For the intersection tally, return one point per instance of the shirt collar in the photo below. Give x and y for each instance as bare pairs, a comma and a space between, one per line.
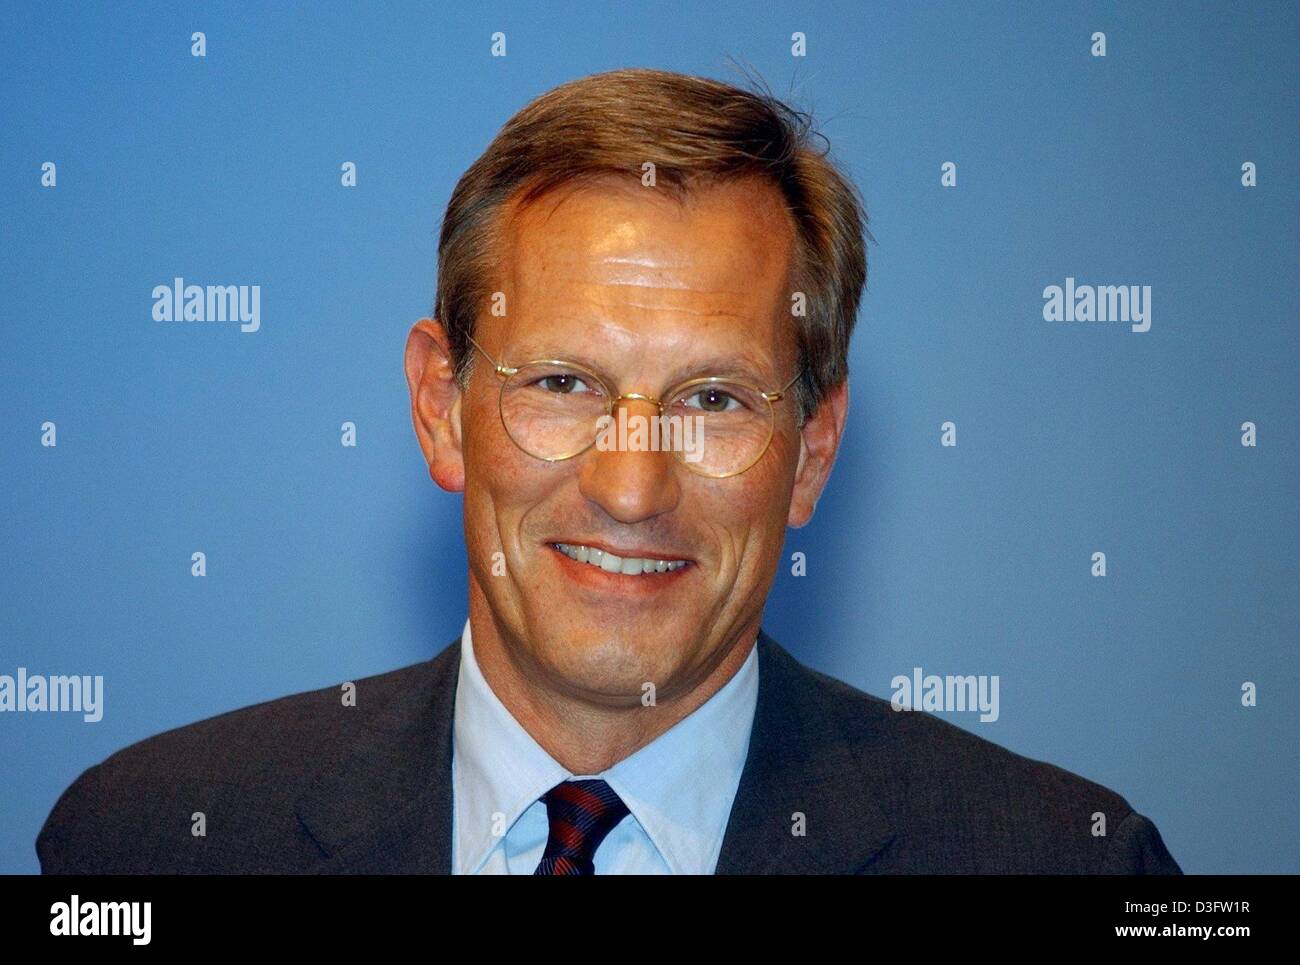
679, 787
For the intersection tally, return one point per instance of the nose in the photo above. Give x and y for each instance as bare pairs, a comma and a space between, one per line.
631, 485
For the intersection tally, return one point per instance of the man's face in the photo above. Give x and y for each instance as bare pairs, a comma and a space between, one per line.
647, 293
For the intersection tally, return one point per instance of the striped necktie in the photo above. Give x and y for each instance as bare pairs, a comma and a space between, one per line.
581, 813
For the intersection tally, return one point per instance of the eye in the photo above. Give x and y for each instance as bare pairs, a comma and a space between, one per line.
713, 399
561, 383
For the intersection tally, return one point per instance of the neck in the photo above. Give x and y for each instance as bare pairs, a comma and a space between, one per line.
586, 736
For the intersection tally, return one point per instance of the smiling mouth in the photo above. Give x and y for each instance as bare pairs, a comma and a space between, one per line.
625, 565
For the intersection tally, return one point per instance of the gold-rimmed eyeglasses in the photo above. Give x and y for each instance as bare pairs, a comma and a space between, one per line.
554, 409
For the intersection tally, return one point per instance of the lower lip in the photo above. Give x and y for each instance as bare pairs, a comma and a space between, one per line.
595, 578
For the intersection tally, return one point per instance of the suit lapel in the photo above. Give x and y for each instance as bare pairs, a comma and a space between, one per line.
800, 763
386, 807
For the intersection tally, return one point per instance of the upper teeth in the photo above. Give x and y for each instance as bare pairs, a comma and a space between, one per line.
630, 565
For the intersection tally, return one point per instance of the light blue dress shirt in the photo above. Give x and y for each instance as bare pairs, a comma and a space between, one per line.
678, 788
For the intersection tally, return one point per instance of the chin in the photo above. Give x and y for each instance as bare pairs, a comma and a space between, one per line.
615, 665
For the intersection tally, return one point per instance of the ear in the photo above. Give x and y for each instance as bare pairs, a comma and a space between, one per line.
435, 403
819, 443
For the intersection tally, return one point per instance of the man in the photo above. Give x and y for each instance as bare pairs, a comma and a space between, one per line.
633, 245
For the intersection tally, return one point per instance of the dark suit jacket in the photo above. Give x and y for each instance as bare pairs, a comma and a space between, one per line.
305, 784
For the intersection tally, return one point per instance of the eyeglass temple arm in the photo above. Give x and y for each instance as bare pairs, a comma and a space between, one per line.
501, 369
780, 393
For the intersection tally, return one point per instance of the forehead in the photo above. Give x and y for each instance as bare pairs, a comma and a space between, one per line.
618, 261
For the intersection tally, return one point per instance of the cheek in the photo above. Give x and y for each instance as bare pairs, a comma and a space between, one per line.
494, 464
748, 514
493, 474
503, 487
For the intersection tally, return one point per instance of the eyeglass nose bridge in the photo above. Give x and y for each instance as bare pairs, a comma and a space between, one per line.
638, 396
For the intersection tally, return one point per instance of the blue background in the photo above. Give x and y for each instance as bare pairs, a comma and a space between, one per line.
327, 563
